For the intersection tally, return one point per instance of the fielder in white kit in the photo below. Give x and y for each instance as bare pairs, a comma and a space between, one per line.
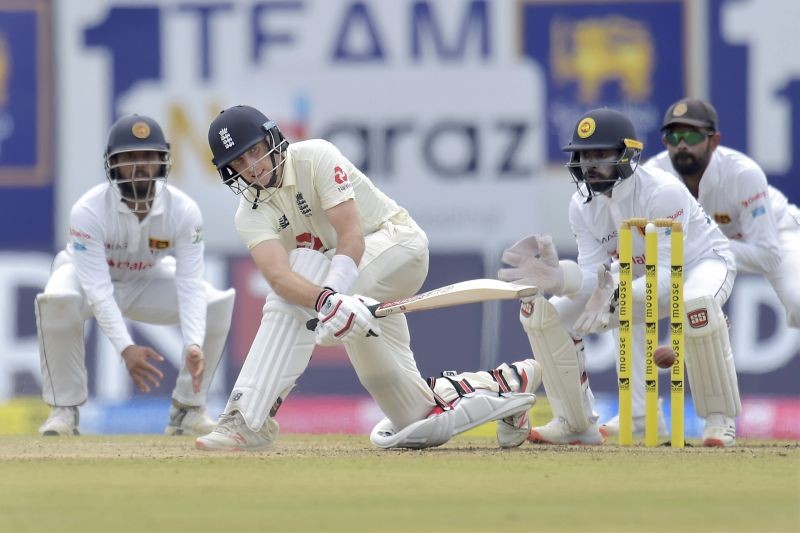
763, 227
612, 188
320, 231
135, 251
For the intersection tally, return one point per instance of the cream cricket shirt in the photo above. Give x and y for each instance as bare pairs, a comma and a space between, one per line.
110, 247
648, 193
316, 177
734, 191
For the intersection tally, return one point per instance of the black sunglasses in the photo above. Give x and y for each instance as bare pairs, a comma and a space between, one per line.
691, 137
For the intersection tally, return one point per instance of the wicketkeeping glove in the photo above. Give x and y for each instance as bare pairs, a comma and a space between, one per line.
535, 262
343, 318
599, 313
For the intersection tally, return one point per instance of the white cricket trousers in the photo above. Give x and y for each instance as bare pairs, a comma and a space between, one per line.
152, 299
394, 266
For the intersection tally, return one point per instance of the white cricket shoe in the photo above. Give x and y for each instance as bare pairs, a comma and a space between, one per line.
62, 421
513, 430
557, 431
611, 428
720, 431
189, 421
233, 435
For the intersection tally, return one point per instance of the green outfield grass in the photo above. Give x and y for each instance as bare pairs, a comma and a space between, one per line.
341, 483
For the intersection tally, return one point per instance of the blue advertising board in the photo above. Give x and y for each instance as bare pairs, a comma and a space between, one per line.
26, 124
626, 55
754, 82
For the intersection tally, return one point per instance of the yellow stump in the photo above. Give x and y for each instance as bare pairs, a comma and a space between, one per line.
676, 333
651, 335
625, 303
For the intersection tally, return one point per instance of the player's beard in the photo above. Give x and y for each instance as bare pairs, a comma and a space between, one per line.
687, 164
599, 182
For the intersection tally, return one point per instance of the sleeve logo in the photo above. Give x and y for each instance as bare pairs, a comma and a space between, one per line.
339, 175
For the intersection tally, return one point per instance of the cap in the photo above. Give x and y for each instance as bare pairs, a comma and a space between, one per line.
698, 113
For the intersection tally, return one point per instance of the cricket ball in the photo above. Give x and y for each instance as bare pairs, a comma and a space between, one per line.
664, 356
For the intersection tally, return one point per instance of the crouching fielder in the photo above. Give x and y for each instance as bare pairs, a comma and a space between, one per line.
135, 251
319, 231
611, 188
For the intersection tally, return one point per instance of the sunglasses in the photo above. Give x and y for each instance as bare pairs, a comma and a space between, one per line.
689, 137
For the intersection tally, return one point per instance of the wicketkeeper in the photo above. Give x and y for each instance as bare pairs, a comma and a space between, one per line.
612, 188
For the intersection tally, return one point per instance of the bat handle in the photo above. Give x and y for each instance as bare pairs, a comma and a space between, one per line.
311, 325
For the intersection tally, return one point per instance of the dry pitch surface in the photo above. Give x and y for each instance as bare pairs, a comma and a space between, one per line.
341, 483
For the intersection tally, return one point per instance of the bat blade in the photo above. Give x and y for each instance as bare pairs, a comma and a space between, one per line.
463, 292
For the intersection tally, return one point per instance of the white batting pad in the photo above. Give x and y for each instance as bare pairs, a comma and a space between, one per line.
468, 412
281, 349
61, 349
426, 433
555, 350
709, 359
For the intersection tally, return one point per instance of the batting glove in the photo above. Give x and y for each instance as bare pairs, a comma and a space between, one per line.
343, 318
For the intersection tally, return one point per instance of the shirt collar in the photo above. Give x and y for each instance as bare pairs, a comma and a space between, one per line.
289, 177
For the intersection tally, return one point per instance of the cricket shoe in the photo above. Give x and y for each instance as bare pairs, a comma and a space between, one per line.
513, 430
611, 428
720, 431
188, 420
233, 435
557, 431
62, 421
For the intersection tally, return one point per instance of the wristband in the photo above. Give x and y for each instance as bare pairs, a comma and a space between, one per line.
342, 274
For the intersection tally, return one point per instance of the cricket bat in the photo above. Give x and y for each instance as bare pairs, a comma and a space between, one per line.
463, 292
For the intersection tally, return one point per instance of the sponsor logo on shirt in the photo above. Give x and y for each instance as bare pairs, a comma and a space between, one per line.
760, 210
134, 266
340, 177
306, 240
722, 218
158, 244
302, 205
756, 197
197, 235
78, 247
608, 237
283, 222
80, 234
114, 246
676, 214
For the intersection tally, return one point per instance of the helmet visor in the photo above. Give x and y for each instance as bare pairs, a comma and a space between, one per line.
256, 174
138, 176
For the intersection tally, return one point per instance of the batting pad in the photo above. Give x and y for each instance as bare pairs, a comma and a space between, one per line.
61, 348
555, 350
709, 359
281, 349
468, 412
